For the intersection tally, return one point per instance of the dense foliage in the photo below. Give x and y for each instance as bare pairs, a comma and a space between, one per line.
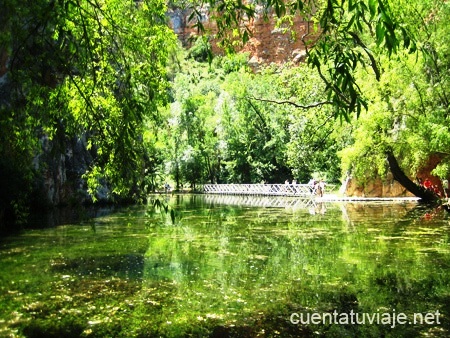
336, 48
408, 111
101, 72
91, 70
280, 122
230, 125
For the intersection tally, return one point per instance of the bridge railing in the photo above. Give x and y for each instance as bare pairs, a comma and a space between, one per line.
304, 190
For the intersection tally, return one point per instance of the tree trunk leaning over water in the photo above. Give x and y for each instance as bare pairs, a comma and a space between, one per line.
424, 194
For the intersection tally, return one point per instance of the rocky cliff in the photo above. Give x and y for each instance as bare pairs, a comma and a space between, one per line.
268, 43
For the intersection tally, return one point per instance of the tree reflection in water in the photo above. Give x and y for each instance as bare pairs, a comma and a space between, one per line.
220, 267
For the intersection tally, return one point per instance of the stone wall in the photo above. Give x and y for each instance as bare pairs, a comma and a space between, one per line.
4, 87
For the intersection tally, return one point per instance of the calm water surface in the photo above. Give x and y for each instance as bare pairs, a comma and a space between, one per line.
224, 266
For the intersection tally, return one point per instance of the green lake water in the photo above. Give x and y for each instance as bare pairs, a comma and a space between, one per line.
224, 266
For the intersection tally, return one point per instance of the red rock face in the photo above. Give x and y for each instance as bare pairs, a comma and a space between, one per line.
390, 188
427, 168
270, 44
376, 188
267, 44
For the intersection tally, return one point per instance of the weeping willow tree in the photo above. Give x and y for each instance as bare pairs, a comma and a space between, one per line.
352, 45
408, 112
342, 39
71, 68
97, 68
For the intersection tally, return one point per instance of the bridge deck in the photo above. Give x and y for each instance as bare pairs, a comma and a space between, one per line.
303, 190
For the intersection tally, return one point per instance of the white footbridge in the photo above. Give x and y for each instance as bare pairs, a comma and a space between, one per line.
300, 190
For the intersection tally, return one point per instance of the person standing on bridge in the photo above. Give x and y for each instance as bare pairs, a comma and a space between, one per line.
312, 185
321, 187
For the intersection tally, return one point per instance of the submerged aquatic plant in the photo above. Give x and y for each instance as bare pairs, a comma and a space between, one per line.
225, 270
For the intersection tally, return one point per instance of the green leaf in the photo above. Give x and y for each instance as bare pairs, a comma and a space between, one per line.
380, 32
350, 23
373, 8
245, 37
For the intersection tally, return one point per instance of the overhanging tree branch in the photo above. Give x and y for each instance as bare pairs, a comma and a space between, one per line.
297, 105
373, 62
424, 194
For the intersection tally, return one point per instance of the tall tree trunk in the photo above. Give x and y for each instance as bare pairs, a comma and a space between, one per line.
424, 194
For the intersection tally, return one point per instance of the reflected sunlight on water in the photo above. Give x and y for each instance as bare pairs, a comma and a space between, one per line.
232, 266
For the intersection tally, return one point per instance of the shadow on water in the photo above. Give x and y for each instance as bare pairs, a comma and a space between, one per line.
230, 267
66, 215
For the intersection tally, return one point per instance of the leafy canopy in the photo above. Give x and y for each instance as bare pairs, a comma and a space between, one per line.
93, 68
345, 33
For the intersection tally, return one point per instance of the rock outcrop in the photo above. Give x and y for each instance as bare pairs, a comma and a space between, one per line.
268, 43
62, 165
376, 188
